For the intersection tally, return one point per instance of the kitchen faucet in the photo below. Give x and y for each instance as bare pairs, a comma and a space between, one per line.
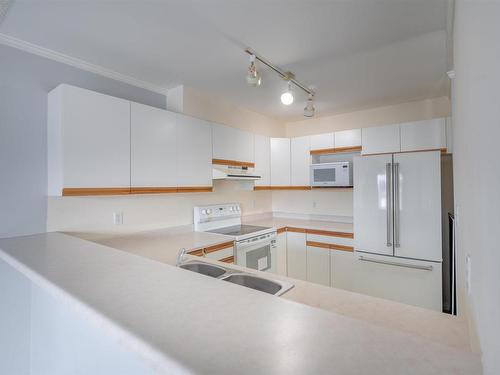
180, 256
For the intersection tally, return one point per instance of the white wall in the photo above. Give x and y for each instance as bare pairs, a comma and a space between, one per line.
476, 123
392, 114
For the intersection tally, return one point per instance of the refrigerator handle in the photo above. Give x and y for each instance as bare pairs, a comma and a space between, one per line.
396, 205
388, 199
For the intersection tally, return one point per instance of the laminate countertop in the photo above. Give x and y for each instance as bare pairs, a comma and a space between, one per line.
185, 323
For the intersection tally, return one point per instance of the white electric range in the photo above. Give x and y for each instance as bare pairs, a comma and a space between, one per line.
255, 246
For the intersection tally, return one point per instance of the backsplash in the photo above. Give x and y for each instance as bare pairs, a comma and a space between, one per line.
144, 212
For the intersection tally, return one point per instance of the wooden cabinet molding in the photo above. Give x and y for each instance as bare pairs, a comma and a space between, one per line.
282, 188
330, 246
336, 150
233, 163
80, 192
228, 260
224, 245
198, 252
330, 233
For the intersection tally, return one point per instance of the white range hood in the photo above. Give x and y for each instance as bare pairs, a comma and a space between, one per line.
228, 172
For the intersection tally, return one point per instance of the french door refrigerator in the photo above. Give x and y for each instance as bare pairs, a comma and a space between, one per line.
397, 226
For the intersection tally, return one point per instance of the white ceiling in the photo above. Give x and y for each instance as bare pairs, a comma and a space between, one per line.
355, 53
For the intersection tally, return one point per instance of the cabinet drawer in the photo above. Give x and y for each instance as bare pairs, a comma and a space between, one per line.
330, 239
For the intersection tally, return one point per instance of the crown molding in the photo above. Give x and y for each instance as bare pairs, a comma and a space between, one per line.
78, 63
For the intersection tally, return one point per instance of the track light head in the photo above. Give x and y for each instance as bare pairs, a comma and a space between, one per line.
309, 108
287, 96
253, 76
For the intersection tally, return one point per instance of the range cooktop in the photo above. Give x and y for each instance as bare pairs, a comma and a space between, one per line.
238, 230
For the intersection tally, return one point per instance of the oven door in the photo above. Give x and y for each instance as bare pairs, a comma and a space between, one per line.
257, 252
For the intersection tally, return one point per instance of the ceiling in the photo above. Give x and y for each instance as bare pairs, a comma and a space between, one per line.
356, 54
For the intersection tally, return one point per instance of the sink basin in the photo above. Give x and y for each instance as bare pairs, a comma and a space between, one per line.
204, 268
258, 283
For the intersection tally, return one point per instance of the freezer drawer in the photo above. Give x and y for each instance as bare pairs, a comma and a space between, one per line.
408, 281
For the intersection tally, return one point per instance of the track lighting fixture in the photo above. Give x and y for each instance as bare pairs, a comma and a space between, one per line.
253, 76
287, 98
309, 108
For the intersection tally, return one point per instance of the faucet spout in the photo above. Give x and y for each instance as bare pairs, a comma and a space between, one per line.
180, 256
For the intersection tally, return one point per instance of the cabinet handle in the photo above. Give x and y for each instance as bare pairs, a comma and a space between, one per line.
396, 205
388, 200
389, 263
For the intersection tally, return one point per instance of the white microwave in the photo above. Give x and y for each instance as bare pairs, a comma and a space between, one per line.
331, 174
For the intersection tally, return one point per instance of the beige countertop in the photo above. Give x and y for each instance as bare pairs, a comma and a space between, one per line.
163, 246
186, 323
281, 222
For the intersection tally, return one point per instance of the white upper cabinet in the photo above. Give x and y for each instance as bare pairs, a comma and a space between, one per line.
381, 139
88, 140
423, 135
263, 160
322, 141
232, 144
300, 160
348, 138
194, 152
280, 161
153, 147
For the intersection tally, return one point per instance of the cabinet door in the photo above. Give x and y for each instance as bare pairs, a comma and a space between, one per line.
300, 161
232, 144
281, 259
280, 162
417, 217
263, 160
342, 264
423, 135
372, 216
318, 265
194, 152
322, 141
348, 138
381, 139
296, 255
395, 280
153, 147
95, 139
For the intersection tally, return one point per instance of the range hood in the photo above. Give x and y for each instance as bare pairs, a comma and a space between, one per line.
229, 172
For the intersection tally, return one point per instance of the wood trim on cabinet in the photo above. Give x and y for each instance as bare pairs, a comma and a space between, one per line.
263, 188
318, 244
341, 247
220, 246
228, 259
195, 189
281, 230
336, 150
330, 233
233, 163
332, 187
198, 252
152, 190
296, 230
73, 192
442, 150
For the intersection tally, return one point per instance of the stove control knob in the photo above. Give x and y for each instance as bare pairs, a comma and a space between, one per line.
231, 208
203, 212
237, 208
209, 211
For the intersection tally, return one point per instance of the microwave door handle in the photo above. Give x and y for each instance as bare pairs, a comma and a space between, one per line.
388, 200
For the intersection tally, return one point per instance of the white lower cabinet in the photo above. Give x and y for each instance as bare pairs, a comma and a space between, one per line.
412, 282
280, 254
318, 265
296, 255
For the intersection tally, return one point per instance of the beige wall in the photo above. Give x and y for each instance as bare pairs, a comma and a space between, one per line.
403, 112
201, 105
476, 134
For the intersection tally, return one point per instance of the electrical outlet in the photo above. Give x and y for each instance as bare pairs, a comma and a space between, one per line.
468, 271
314, 204
117, 218
254, 203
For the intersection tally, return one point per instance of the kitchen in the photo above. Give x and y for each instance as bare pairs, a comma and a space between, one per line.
156, 202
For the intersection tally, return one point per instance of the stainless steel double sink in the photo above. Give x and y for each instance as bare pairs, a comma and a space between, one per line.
275, 287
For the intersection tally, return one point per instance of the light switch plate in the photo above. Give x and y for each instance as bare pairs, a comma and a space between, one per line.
117, 218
